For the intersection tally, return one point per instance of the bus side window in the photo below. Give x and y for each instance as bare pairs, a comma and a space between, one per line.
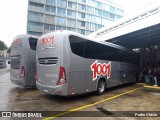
89, 50
77, 45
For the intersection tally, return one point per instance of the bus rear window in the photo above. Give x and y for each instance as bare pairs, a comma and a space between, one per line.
15, 62
33, 43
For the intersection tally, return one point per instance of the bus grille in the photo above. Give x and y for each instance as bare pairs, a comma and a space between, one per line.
48, 61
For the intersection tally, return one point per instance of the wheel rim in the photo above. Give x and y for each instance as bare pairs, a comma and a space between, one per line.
101, 87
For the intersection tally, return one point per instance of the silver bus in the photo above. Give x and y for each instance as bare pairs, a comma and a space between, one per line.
69, 64
23, 60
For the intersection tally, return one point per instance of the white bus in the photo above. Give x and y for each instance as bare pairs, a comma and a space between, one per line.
23, 60
69, 64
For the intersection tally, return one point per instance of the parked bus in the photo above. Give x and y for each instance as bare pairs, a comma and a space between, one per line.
69, 63
23, 60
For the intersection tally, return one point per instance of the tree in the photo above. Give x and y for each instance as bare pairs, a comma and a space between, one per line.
3, 46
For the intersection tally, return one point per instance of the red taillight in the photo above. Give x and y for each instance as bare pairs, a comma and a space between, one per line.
62, 76
22, 73
36, 75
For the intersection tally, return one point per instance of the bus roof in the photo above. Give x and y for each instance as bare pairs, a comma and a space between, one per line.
85, 37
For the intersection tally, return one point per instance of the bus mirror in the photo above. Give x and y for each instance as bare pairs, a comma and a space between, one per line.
9, 62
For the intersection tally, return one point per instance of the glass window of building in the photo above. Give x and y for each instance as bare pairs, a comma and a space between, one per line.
92, 27
87, 32
61, 21
34, 16
35, 33
50, 8
62, 3
112, 9
112, 16
92, 3
117, 17
82, 1
72, 5
35, 26
58, 27
105, 14
51, 2
49, 27
47, 8
100, 26
91, 10
71, 13
81, 7
96, 26
49, 19
83, 23
61, 11
91, 18
81, 15
99, 12
98, 20
106, 7
120, 12
82, 31
71, 22
46, 27
36, 4
104, 21
71, 29
87, 25
99, 5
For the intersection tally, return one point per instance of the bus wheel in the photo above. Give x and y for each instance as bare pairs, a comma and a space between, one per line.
101, 87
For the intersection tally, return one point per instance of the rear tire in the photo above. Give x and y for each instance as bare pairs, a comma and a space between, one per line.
101, 87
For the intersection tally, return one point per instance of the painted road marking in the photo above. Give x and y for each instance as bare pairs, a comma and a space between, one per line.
28, 93
141, 83
89, 105
155, 87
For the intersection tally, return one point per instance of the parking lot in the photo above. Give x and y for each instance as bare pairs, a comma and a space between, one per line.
116, 103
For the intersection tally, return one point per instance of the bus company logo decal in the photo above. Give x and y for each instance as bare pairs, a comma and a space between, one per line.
16, 42
47, 40
101, 69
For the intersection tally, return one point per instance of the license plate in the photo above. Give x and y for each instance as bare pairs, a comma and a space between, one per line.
45, 90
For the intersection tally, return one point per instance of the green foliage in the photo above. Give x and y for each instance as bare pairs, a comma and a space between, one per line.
3, 46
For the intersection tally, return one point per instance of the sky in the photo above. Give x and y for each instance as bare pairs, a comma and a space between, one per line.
13, 16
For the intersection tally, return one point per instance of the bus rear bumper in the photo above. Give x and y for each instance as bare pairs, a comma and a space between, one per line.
56, 90
16, 81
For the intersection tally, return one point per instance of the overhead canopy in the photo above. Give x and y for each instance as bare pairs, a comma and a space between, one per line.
149, 36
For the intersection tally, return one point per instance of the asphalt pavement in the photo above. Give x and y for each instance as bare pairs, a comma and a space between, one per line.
3, 71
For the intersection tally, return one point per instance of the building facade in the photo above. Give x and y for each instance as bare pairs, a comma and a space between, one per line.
82, 16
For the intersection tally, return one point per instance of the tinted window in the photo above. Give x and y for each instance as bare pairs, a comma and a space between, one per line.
93, 50
77, 45
15, 62
33, 43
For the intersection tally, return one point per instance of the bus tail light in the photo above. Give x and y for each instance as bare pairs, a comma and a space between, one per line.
36, 75
62, 76
22, 73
